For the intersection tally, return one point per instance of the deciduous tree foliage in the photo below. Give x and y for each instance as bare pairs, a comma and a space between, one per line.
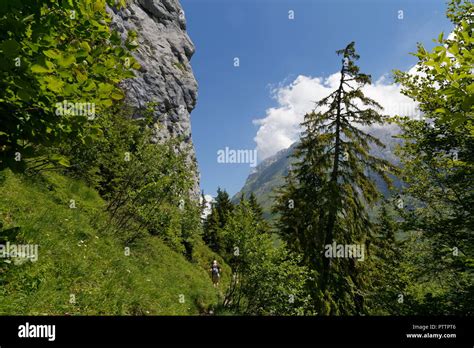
53, 52
146, 185
437, 158
265, 280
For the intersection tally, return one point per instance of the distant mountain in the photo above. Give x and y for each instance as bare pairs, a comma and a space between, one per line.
267, 176
270, 173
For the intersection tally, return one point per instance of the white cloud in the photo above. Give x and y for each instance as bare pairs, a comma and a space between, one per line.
281, 125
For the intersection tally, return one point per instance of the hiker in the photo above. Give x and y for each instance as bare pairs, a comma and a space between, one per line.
216, 273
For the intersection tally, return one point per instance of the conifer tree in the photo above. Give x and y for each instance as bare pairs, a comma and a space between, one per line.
221, 209
255, 206
257, 211
211, 229
330, 188
386, 272
224, 206
203, 205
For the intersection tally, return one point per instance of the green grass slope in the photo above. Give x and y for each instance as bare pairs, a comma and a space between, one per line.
80, 255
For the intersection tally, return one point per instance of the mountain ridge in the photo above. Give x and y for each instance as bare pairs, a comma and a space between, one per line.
269, 174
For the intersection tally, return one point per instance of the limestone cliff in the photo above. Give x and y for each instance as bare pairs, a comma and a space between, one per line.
165, 76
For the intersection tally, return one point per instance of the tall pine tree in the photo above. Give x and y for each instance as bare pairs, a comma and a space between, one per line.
328, 193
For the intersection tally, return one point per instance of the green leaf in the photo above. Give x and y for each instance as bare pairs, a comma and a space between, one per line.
54, 84
90, 86
470, 88
454, 49
80, 76
39, 69
81, 54
117, 94
54, 54
65, 62
105, 88
28, 18
62, 160
49, 65
84, 45
107, 103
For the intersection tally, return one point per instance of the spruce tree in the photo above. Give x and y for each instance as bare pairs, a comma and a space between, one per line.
330, 187
203, 202
255, 206
387, 273
212, 230
224, 206
221, 209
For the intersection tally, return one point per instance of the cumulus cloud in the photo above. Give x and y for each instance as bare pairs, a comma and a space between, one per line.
280, 127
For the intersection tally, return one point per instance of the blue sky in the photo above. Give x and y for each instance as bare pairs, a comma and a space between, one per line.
274, 50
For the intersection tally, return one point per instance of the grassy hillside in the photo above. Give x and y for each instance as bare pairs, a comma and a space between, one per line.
80, 255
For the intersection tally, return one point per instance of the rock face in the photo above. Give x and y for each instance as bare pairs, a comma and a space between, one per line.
164, 50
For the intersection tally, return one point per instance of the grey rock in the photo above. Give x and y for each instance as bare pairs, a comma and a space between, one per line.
166, 76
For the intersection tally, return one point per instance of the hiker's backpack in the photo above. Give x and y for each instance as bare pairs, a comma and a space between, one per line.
215, 270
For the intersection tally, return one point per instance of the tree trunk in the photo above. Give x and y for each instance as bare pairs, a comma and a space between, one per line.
331, 220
